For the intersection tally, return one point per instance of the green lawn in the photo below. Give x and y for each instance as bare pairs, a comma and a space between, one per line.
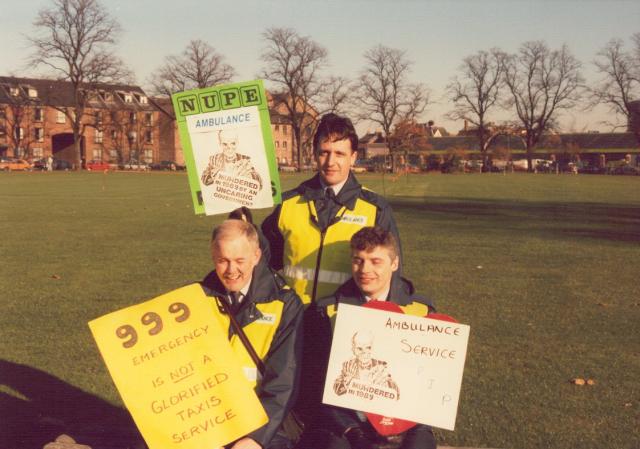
544, 268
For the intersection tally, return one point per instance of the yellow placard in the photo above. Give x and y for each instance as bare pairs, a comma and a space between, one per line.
177, 373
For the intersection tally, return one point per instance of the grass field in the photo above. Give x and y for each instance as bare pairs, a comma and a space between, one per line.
544, 268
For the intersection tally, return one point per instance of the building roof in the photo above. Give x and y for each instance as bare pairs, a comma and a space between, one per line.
371, 138
60, 93
580, 141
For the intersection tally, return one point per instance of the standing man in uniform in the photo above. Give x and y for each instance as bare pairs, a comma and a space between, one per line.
309, 232
269, 313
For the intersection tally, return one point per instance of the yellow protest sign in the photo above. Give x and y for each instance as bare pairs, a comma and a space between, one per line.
177, 373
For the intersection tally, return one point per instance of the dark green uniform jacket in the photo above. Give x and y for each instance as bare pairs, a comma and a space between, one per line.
309, 234
271, 316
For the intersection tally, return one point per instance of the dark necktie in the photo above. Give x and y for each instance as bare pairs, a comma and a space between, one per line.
234, 300
330, 195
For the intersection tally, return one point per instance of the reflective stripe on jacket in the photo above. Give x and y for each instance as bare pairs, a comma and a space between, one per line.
315, 257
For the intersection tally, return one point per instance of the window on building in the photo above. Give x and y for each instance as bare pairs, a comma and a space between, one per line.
106, 96
133, 136
14, 91
33, 93
113, 154
148, 118
99, 136
37, 152
277, 144
148, 156
114, 116
19, 133
277, 127
140, 98
133, 118
97, 154
98, 117
38, 114
60, 117
114, 134
284, 144
38, 134
148, 136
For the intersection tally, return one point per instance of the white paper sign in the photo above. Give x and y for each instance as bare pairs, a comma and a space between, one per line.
230, 159
396, 365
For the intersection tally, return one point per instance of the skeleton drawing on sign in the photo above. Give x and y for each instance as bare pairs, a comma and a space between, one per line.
229, 161
363, 367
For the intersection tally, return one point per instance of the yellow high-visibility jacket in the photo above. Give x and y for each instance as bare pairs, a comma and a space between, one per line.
270, 315
309, 235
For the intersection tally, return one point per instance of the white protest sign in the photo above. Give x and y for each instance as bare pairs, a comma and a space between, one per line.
396, 365
230, 159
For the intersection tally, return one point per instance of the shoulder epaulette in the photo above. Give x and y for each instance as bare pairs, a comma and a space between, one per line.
373, 198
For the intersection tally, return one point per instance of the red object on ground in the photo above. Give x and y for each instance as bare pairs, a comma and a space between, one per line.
385, 425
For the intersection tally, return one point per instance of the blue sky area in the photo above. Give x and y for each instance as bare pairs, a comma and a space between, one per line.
437, 35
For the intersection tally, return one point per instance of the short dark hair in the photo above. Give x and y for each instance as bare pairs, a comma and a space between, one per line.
332, 127
370, 237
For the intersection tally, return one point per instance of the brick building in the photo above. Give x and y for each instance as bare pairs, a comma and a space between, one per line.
120, 124
282, 130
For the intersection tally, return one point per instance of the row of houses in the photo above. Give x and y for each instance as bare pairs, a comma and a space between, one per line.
588, 148
120, 123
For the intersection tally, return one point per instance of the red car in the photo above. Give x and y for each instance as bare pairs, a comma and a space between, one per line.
97, 165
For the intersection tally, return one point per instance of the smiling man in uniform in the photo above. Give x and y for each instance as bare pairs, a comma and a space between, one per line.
269, 313
374, 260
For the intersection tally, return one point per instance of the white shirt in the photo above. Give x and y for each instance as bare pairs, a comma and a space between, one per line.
243, 291
382, 297
336, 188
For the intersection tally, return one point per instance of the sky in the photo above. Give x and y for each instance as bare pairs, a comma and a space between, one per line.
436, 36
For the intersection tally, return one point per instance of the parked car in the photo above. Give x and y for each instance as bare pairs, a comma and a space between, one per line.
135, 165
286, 168
625, 170
357, 168
39, 164
411, 168
61, 164
11, 163
166, 165
95, 165
592, 169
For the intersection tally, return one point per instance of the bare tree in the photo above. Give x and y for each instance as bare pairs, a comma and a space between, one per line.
620, 82
74, 38
476, 92
199, 65
293, 64
386, 96
542, 82
335, 96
